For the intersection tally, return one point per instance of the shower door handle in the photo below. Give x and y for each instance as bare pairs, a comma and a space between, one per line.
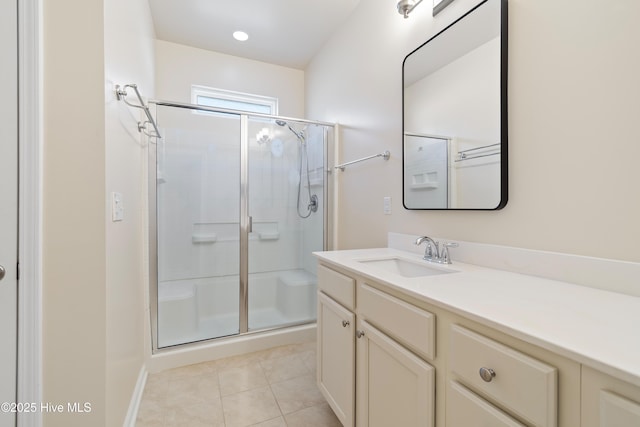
250, 224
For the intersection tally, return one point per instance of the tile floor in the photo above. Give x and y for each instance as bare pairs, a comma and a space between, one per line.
270, 388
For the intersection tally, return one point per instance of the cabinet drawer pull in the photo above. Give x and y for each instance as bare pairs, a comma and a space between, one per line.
359, 334
345, 323
487, 374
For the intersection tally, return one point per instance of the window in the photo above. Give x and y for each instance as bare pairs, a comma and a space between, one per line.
218, 98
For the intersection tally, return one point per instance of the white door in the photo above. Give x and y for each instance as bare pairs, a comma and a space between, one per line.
336, 358
394, 387
8, 207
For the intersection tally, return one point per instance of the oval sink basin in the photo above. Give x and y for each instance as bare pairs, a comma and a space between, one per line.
406, 268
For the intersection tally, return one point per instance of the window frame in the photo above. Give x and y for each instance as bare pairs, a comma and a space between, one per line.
229, 95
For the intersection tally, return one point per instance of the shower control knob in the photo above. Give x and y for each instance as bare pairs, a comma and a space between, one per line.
345, 323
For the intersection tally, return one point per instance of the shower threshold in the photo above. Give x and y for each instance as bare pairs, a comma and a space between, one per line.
221, 326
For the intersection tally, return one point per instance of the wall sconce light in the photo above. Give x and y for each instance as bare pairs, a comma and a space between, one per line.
406, 6
438, 5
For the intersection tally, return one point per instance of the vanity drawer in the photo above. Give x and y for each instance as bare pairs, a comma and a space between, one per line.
522, 385
338, 286
465, 408
404, 322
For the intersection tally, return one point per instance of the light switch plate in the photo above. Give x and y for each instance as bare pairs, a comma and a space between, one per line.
117, 207
387, 205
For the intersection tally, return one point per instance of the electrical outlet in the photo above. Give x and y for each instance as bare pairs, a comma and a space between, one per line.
387, 205
117, 207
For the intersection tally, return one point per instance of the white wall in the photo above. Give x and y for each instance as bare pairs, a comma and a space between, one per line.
179, 67
465, 106
573, 134
93, 284
129, 43
74, 240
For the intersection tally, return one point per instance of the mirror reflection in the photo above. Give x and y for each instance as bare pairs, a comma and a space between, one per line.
454, 115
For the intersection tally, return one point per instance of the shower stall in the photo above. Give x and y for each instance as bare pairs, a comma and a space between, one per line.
238, 203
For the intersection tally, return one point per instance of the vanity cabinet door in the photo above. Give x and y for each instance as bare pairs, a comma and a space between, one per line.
608, 402
394, 386
465, 408
336, 357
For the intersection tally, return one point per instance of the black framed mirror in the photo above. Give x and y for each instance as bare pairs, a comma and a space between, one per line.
455, 115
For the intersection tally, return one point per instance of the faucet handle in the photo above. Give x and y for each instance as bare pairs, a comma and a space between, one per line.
446, 259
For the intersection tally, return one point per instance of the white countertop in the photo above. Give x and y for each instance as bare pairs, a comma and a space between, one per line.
595, 327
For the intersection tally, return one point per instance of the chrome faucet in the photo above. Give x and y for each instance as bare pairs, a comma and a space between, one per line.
433, 252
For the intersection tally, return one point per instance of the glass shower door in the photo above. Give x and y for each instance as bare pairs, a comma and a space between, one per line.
198, 198
286, 207
239, 208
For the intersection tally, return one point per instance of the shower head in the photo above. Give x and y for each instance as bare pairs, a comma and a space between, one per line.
299, 135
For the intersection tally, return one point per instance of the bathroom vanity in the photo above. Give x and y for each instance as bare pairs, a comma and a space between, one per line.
404, 342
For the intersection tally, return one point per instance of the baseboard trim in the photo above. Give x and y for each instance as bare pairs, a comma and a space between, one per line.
136, 398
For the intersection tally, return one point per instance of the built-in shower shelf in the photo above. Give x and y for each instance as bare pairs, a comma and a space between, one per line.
269, 235
424, 181
424, 186
315, 183
204, 238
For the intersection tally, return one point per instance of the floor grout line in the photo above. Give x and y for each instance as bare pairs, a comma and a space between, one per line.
268, 361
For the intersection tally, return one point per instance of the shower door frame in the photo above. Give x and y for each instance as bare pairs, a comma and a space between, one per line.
327, 243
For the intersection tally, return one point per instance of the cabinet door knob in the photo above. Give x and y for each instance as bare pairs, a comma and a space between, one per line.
487, 374
359, 334
345, 323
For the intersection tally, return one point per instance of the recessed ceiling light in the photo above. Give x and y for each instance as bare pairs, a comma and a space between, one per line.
240, 36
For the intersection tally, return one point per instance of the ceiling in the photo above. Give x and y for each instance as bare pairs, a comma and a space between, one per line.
283, 32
